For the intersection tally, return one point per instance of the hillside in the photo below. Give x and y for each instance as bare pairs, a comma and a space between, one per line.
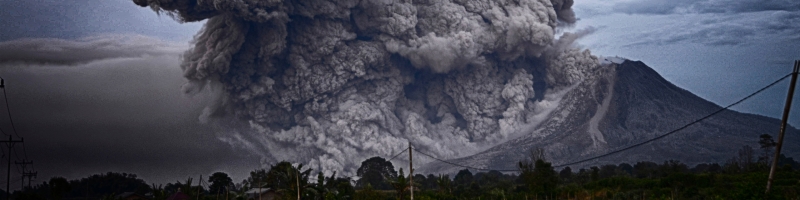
623, 104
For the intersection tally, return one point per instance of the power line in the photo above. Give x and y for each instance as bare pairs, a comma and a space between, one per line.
395, 156
10, 142
464, 166
4, 133
10, 119
8, 110
15, 153
351, 177
678, 129
626, 148
24, 151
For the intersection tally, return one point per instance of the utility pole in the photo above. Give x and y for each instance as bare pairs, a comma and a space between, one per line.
200, 186
411, 169
783, 125
24, 163
10, 144
30, 175
297, 178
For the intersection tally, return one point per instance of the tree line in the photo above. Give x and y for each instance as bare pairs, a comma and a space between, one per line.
743, 176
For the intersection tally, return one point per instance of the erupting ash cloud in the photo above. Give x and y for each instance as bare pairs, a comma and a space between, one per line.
333, 82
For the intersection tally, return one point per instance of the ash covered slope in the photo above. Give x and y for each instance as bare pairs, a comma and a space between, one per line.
623, 104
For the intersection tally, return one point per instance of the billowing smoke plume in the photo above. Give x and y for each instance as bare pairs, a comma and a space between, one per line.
332, 82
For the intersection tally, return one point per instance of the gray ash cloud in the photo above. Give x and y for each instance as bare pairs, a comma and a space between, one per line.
330, 83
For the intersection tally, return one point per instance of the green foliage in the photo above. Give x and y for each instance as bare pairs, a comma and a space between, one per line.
158, 192
368, 193
740, 178
445, 186
220, 183
331, 188
400, 185
376, 171
291, 181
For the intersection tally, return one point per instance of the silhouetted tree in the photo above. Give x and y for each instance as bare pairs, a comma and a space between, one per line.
537, 175
400, 184
464, 184
257, 178
491, 180
98, 185
767, 147
376, 171
743, 161
626, 168
421, 182
673, 167
220, 182
645, 169
566, 174
463, 179
788, 161
288, 179
331, 188
58, 187
444, 184
158, 192
607, 171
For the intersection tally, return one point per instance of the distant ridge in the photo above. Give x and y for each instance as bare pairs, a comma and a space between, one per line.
621, 104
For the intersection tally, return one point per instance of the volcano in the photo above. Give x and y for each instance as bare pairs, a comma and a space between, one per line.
622, 104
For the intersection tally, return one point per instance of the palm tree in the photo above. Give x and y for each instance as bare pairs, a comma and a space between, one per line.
292, 181
400, 184
444, 183
158, 192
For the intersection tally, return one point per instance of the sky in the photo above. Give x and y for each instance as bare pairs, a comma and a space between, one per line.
95, 85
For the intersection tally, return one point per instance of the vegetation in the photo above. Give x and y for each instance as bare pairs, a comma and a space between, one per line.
744, 176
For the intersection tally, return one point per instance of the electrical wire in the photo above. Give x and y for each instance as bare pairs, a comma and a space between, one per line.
626, 148
13, 127
10, 119
678, 129
351, 177
464, 166
395, 156
24, 151
4, 133
8, 110
15, 153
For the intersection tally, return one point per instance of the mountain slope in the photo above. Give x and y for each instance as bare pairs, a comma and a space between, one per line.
624, 104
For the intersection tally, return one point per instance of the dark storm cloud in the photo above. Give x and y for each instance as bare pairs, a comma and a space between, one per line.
116, 106
718, 36
68, 52
723, 29
660, 7
75, 19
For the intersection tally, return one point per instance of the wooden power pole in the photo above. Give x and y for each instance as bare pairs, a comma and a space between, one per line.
30, 175
24, 164
411, 169
783, 124
297, 179
11, 143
